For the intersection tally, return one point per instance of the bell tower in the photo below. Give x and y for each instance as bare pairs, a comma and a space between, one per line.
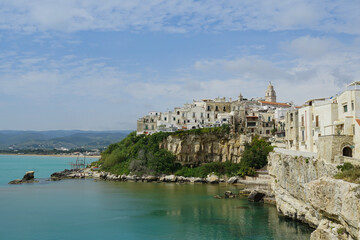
270, 94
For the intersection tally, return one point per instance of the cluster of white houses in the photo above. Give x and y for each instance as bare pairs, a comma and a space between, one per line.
330, 126
263, 117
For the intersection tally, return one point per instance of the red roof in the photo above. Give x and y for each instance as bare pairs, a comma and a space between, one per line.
358, 121
275, 103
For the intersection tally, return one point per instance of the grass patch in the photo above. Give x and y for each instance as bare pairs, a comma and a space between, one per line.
349, 173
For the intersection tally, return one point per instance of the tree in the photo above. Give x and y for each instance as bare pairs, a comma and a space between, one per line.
256, 152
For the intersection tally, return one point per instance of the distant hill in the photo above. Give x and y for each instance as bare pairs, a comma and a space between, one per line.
59, 138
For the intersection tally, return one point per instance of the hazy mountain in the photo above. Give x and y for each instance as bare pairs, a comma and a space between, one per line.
59, 138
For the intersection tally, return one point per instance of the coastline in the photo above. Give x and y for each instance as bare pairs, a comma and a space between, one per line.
49, 155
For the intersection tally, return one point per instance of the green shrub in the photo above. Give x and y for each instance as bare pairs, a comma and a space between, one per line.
139, 154
345, 166
349, 173
256, 153
341, 231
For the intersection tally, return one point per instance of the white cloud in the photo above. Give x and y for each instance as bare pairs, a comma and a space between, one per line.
180, 15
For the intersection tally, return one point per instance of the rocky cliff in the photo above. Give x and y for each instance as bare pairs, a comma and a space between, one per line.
305, 190
195, 149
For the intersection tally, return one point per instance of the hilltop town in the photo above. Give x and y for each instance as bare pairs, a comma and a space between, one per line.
333, 121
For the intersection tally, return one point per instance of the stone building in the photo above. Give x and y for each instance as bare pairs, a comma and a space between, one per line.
254, 116
328, 126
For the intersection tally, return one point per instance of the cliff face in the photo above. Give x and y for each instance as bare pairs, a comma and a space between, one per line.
305, 190
204, 148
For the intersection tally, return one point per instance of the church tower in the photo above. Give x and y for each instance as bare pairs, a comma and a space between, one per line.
270, 94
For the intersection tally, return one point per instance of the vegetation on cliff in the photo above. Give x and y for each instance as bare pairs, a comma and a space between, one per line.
254, 157
349, 173
142, 155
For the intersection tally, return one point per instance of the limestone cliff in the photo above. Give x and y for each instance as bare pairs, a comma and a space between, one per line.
305, 190
195, 149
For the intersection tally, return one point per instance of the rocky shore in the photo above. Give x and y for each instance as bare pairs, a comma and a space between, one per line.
210, 179
257, 189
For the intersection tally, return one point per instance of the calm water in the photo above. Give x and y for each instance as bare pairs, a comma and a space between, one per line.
85, 209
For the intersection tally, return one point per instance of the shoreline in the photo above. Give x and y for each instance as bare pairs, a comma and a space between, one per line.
249, 186
49, 155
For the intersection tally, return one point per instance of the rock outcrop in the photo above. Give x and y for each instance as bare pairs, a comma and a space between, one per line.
204, 148
28, 178
256, 196
305, 190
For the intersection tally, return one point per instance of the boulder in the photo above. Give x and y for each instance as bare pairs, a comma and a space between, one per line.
212, 178
229, 194
28, 176
197, 180
170, 178
151, 178
256, 196
232, 180
16, 181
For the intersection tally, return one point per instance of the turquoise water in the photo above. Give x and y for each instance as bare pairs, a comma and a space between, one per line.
88, 209
15, 166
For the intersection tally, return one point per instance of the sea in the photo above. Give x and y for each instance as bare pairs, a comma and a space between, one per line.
89, 209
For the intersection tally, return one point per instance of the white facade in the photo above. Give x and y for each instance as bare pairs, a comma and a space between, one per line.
338, 116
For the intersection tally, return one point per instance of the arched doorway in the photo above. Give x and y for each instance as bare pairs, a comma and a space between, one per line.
347, 152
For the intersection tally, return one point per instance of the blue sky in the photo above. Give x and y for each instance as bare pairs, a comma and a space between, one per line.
100, 65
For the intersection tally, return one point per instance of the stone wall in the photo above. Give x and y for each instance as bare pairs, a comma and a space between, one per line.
204, 148
305, 190
332, 145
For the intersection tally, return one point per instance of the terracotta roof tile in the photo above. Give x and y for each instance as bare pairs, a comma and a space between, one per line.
358, 121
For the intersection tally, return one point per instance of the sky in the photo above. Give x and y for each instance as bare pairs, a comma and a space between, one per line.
101, 65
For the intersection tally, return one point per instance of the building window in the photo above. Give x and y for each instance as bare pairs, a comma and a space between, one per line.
178, 121
345, 108
208, 116
164, 118
152, 127
352, 106
184, 121
269, 119
189, 121
178, 113
291, 117
317, 121
174, 119
183, 114
216, 108
202, 115
193, 114
216, 116
267, 131
302, 121
224, 109
146, 127
303, 135
208, 108
202, 121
